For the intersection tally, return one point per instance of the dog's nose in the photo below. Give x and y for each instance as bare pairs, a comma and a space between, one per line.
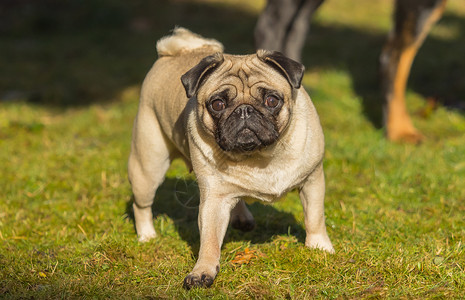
244, 111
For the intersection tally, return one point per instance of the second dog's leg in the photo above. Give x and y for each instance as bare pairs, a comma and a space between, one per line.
413, 21
283, 26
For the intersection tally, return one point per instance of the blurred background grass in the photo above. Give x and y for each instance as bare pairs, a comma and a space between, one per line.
81, 52
70, 73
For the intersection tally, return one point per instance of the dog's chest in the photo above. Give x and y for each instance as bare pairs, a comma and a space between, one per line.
268, 184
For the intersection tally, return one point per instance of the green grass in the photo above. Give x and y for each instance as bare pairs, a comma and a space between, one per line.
395, 213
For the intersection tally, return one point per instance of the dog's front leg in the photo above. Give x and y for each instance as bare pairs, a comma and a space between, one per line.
312, 195
214, 214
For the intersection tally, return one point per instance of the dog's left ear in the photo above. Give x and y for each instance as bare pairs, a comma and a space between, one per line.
292, 70
192, 79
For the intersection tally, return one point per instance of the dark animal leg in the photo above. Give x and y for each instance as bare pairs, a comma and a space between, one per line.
413, 21
283, 26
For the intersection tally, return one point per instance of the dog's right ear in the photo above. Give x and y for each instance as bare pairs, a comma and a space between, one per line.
192, 79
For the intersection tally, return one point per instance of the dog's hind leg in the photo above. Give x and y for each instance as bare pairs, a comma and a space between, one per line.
242, 218
413, 21
148, 162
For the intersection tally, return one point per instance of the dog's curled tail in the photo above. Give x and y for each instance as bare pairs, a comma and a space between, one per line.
183, 40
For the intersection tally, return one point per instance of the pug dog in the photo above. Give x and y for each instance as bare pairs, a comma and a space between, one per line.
243, 124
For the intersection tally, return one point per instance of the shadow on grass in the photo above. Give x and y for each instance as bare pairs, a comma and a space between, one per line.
437, 72
179, 200
80, 52
71, 53
328, 48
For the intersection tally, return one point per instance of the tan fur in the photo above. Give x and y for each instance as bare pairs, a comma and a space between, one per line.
169, 125
183, 40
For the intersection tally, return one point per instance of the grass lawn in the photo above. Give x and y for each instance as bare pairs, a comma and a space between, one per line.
69, 85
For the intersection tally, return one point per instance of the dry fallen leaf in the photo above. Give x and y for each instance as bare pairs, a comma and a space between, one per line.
244, 257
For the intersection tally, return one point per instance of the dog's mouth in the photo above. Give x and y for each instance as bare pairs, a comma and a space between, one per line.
245, 135
244, 140
247, 140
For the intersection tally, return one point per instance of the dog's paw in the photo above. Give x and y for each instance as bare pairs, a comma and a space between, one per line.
319, 241
242, 218
404, 132
194, 280
147, 236
407, 137
243, 225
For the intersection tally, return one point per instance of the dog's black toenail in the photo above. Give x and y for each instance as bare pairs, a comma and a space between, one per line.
191, 281
207, 280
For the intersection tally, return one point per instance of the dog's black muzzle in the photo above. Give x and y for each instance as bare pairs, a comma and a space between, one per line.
246, 130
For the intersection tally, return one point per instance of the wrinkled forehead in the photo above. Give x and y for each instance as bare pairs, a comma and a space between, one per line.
246, 74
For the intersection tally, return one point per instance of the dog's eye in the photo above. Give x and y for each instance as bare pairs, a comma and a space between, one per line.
218, 105
271, 101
